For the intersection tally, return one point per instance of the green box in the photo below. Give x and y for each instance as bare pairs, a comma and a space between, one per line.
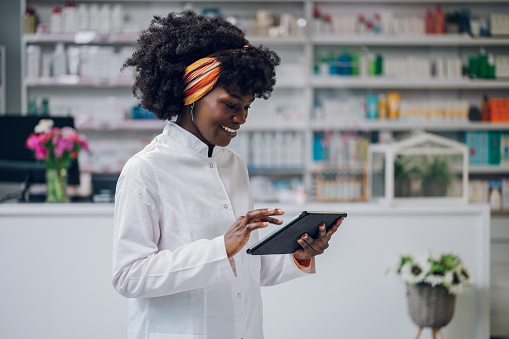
494, 147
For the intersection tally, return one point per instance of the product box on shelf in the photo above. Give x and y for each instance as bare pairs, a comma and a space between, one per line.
340, 160
504, 148
499, 110
505, 194
478, 144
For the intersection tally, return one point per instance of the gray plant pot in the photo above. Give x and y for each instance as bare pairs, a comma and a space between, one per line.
430, 306
431, 188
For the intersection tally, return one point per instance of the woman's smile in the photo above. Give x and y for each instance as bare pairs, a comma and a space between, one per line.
229, 131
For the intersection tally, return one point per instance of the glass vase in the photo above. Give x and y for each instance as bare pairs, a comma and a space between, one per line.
56, 180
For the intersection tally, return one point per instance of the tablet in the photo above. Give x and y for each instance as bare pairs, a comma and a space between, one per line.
284, 239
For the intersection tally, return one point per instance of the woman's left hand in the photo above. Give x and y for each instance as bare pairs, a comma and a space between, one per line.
313, 247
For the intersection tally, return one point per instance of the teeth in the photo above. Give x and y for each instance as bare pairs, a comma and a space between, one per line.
230, 130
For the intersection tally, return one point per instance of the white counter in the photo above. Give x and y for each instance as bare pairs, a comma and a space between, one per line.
56, 269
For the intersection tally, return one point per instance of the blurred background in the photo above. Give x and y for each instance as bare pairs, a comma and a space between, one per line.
376, 103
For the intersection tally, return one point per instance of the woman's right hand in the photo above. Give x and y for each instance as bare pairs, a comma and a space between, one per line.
238, 235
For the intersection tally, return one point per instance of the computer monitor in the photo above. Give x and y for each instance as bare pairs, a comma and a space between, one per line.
17, 163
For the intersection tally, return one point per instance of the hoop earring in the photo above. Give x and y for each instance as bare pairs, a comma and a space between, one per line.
192, 112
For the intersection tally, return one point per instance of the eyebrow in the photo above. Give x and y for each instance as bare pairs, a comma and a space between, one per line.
239, 97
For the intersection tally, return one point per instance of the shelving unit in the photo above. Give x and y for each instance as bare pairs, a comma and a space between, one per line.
394, 83
298, 52
405, 40
2, 79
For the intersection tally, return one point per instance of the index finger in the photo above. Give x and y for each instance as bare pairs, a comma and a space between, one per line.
334, 227
262, 212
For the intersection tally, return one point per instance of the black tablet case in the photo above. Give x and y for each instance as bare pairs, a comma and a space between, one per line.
284, 239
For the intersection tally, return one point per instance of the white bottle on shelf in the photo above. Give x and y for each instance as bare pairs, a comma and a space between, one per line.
296, 150
69, 18
55, 24
105, 19
46, 65
277, 154
33, 61
95, 18
266, 150
73, 54
83, 18
117, 18
495, 199
256, 149
59, 61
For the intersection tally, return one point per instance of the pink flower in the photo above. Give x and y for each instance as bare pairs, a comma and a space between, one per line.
51, 143
55, 132
44, 137
33, 142
83, 142
62, 145
41, 153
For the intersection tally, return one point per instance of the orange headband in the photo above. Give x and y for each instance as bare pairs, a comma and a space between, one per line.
201, 76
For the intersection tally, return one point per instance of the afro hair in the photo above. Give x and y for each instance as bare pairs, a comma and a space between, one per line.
172, 43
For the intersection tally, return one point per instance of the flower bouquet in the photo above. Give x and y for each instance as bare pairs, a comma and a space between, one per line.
57, 147
432, 285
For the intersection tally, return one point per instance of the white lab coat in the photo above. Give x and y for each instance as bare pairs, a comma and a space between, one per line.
173, 206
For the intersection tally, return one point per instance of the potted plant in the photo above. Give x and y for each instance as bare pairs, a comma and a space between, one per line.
435, 176
403, 175
433, 282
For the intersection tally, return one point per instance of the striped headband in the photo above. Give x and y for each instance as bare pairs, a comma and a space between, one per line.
201, 76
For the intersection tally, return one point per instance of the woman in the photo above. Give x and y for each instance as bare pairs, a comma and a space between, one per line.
184, 212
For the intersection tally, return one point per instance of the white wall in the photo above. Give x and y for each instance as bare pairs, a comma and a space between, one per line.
56, 271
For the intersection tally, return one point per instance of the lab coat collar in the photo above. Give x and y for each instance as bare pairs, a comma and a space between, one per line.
188, 140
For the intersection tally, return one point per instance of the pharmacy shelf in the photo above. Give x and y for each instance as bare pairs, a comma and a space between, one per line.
80, 38
488, 169
73, 81
123, 125
275, 170
158, 125
416, 2
399, 126
351, 168
93, 38
394, 83
283, 41
445, 40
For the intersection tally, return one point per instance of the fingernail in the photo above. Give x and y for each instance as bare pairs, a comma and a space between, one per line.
265, 224
305, 237
271, 210
299, 240
323, 227
280, 210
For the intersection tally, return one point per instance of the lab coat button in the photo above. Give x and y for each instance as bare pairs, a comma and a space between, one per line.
225, 206
211, 166
240, 295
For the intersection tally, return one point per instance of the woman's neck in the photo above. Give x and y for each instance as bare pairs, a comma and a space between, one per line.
190, 126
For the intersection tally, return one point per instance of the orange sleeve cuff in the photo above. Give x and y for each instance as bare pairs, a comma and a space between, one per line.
302, 264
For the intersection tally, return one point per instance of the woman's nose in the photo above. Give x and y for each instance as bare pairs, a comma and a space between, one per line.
240, 118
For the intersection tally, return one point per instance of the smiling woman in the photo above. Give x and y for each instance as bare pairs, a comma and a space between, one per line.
183, 206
